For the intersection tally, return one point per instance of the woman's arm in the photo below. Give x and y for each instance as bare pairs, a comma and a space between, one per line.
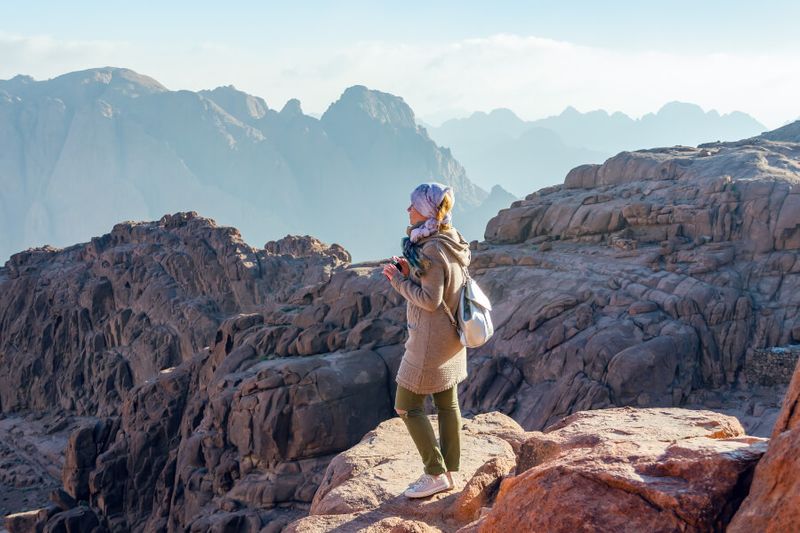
430, 293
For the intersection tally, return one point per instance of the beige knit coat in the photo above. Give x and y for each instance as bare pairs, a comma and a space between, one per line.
434, 358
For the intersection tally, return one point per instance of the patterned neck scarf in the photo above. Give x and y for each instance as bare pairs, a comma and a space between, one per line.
411, 250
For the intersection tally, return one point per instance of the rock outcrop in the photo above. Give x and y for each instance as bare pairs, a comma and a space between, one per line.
31, 458
773, 504
652, 279
82, 325
609, 470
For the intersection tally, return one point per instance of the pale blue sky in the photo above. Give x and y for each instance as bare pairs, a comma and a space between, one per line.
445, 58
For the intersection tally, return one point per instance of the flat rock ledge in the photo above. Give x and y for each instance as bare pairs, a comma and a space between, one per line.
362, 489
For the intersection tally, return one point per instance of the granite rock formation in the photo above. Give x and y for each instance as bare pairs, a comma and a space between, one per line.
32, 458
222, 380
620, 469
82, 325
652, 279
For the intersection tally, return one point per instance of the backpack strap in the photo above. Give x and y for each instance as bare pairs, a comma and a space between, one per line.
447, 282
452, 318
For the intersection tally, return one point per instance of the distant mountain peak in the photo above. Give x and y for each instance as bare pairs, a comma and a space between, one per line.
292, 108
570, 111
22, 78
240, 104
379, 106
680, 107
503, 112
114, 76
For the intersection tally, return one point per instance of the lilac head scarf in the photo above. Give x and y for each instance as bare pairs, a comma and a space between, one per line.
426, 199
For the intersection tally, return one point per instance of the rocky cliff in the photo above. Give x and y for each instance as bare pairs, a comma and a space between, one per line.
656, 280
83, 325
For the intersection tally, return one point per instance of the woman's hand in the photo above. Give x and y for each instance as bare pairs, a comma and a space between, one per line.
404, 267
389, 270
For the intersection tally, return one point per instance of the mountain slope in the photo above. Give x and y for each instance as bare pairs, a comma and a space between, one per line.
87, 149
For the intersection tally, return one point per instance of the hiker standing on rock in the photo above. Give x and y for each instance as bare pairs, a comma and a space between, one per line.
430, 275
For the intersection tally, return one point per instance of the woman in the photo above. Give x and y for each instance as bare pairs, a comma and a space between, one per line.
435, 256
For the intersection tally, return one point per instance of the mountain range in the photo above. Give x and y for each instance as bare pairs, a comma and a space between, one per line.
500, 147
87, 149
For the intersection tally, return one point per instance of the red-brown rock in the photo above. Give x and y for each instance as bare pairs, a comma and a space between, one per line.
773, 504
655, 470
365, 484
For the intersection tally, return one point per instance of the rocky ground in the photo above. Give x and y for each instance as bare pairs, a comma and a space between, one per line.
227, 387
619, 469
31, 458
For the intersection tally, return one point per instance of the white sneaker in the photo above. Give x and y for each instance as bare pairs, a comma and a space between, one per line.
428, 484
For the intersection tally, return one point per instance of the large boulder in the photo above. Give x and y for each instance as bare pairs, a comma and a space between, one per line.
627, 469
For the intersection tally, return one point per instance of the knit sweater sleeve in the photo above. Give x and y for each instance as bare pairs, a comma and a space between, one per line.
430, 293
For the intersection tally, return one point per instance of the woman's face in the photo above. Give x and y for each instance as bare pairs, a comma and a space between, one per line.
414, 216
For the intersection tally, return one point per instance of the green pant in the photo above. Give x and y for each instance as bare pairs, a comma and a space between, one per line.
446, 456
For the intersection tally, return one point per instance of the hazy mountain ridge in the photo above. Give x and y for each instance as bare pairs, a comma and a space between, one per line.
128, 148
500, 147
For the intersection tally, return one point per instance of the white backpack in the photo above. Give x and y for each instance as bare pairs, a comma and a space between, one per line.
474, 323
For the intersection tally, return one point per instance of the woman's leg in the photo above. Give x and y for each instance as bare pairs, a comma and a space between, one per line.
409, 406
449, 426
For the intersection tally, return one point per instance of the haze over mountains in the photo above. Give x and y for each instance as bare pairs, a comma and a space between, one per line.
500, 147
85, 150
